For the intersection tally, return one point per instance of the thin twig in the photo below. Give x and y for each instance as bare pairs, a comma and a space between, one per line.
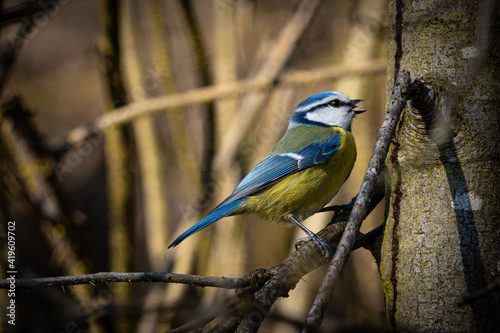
278, 281
150, 105
365, 240
398, 100
109, 277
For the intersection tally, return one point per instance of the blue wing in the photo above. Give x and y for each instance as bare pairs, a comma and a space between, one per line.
266, 173
276, 167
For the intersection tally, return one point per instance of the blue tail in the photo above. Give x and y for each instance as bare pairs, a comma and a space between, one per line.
214, 216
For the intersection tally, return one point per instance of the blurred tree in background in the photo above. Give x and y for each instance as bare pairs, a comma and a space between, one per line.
113, 201
123, 123
183, 98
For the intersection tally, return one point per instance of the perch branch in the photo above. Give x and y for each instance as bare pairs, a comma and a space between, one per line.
109, 277
307, 258
398, 100
277, 281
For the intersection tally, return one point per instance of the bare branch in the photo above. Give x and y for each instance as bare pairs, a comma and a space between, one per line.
150, 105
398, 100
109, 277
306, 259
276, 282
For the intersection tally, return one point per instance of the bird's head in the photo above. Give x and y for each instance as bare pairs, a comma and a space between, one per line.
331, 108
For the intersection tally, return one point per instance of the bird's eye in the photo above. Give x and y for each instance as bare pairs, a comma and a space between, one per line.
335, 103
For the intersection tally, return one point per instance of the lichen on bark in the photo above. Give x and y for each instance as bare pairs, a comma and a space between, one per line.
441, 241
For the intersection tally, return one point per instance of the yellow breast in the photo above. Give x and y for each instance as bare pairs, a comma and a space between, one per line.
304, 193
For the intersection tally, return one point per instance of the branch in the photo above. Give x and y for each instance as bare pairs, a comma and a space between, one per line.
398, 100
276, 282
303, 261
108, 277
148, 106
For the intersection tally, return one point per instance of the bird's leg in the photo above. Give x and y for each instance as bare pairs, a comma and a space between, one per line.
325, 249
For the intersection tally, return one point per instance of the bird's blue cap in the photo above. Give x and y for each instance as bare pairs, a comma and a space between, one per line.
314, 99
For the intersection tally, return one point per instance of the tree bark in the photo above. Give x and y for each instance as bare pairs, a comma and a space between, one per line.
442, 238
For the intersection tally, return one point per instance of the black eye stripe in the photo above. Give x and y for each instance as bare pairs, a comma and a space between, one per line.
336, 103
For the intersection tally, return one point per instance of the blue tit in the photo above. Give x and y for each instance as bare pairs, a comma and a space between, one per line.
304, 170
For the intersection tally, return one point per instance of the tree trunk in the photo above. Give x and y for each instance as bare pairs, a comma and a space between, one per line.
442, 238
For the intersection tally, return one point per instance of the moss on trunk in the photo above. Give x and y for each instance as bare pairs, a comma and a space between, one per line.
442, 238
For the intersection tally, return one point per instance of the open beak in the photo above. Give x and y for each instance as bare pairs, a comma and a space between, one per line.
354, 103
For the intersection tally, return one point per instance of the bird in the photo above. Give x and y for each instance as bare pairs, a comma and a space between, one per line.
302, 173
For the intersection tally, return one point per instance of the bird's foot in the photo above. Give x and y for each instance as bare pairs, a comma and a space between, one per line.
323, 246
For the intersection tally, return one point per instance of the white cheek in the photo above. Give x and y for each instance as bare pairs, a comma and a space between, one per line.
330, 117
324, 116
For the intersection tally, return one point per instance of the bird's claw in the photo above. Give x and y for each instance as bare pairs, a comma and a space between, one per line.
300, 241
323, 246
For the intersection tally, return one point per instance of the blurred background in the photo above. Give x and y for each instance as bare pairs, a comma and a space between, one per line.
114, 200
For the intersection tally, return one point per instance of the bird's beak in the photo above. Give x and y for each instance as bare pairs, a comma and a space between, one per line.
353, 103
